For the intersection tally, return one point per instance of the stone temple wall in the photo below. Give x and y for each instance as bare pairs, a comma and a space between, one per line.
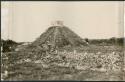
57, 23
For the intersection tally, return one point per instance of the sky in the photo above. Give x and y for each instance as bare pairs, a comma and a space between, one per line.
26, 21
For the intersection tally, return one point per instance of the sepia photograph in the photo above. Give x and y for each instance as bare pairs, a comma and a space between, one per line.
62, 40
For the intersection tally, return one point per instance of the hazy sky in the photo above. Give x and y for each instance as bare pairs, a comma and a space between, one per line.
26, 21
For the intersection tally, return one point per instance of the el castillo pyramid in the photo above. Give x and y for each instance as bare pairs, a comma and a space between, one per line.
58, 36
55, 38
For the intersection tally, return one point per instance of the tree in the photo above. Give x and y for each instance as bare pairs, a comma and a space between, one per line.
8, 45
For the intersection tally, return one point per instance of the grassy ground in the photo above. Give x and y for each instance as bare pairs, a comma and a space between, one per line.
83, 64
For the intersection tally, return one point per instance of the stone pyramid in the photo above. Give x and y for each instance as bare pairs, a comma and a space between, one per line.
59, 35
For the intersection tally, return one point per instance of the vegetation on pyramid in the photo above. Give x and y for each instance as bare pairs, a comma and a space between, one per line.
59, 36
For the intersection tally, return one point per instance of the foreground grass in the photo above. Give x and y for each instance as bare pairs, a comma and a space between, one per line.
37, 72
53, 67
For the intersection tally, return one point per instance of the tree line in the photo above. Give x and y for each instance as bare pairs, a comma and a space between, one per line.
10, 45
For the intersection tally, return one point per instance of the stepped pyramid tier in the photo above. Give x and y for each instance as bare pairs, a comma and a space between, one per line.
59, 35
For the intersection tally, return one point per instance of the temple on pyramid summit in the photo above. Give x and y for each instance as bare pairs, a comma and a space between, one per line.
57, 23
